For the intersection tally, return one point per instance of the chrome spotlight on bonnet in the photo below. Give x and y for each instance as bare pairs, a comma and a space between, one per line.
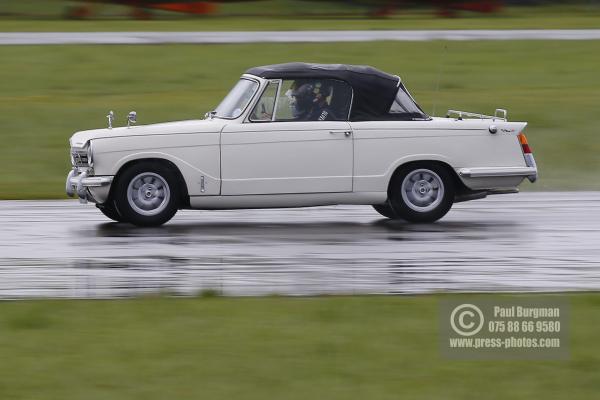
111, 118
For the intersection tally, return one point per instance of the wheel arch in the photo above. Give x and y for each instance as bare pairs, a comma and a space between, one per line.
183, 192
460, 187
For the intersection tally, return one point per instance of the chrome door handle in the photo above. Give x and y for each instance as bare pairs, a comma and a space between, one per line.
346, 133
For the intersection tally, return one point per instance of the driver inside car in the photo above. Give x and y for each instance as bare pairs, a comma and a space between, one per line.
308, 102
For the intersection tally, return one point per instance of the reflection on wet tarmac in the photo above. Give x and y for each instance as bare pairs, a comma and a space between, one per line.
525, 242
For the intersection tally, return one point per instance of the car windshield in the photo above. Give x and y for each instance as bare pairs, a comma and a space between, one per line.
236, 101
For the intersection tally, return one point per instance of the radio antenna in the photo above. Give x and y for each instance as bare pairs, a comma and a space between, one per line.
439, 77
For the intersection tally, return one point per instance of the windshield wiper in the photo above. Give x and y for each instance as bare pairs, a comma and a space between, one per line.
210, 114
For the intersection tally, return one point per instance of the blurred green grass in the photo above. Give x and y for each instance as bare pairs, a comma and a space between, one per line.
49, 92
269, 348
44, 15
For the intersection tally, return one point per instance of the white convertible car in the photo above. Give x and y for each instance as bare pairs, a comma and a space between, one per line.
297, 135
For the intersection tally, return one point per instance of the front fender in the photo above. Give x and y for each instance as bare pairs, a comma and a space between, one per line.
199, 180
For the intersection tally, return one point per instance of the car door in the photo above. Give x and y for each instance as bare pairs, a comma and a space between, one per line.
265, 155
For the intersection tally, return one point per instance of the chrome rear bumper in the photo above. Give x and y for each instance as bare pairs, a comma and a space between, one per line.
526, 172
78, 183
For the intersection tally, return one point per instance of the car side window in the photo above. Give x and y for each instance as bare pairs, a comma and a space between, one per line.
313, 100
263, 111
404, 107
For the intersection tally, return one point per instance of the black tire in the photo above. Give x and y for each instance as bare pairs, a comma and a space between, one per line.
417, 205
153, 180
110, 210
386, 210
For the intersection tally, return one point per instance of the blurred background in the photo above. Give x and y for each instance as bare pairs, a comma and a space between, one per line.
49, 92
334, 347
165, 9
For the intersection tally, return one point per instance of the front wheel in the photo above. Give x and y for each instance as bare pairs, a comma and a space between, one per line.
110, 211
422, 192
146, 194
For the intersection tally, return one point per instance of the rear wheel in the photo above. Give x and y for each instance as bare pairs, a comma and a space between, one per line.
422, 192
146, 194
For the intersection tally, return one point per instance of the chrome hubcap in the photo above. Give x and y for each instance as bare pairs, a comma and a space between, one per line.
148, 193
422, 190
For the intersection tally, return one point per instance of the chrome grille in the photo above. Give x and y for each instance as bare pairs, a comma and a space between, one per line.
79, 159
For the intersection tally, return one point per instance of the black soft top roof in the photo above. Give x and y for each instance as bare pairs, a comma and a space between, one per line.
374, 90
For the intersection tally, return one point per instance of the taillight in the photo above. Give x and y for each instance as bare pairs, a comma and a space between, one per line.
524, 144
527, 154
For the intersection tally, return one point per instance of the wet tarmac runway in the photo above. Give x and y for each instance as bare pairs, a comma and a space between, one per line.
523, 242
53, 38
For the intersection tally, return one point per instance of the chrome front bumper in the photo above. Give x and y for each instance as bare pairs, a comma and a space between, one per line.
80, 184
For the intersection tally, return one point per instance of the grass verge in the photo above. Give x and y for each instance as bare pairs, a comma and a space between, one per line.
257, 348
49, 92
